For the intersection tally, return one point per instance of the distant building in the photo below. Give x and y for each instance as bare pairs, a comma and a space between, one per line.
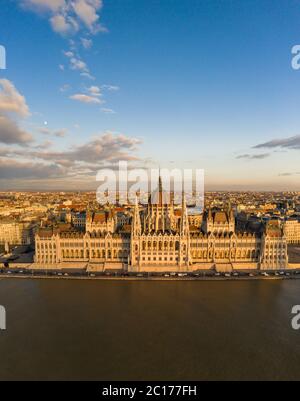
274, 246
292, 231
101, 221
78, 220
14, 232
219, 221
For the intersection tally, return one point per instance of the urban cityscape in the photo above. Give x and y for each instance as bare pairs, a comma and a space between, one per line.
250, 232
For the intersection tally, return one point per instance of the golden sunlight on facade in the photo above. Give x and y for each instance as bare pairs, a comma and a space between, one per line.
162, 237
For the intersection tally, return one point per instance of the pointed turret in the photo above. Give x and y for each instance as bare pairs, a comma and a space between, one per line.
229, 210
136, 220
184, 222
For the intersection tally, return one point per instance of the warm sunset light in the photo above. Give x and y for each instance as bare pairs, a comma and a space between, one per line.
149, 194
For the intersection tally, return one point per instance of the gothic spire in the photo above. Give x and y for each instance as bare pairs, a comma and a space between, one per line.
160, 190
184, 222
136, 220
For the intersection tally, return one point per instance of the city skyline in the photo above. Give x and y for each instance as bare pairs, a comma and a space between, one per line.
90, 82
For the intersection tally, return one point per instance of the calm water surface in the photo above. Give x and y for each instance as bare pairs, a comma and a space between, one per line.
135, 330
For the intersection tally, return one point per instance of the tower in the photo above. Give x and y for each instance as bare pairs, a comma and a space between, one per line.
159, 216
136, 231
184, 222
184, 256
136, 221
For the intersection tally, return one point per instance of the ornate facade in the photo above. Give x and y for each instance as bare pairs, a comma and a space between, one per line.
292, 231
162, 237
15, 232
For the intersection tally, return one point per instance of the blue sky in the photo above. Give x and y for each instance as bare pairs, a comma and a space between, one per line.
181, 83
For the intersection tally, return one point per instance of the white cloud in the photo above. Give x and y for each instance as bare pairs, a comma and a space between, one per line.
253, 156
86, 43
87, 75
111, 88
44, 145
77, 64
93, 96
38, 162
107, 111
10, 133
85, 98
86, 11
11, 100
59, 24
65, 88
94, 91
292, 142
108, 147
58, 133
48, 5
69, 54
69, 16
72, 44
10, 169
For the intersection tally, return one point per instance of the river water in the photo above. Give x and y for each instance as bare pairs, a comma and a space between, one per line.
149, 330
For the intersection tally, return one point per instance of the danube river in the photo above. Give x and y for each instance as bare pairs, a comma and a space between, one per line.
167, 330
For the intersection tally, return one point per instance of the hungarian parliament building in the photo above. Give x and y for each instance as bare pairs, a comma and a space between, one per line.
159, 237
